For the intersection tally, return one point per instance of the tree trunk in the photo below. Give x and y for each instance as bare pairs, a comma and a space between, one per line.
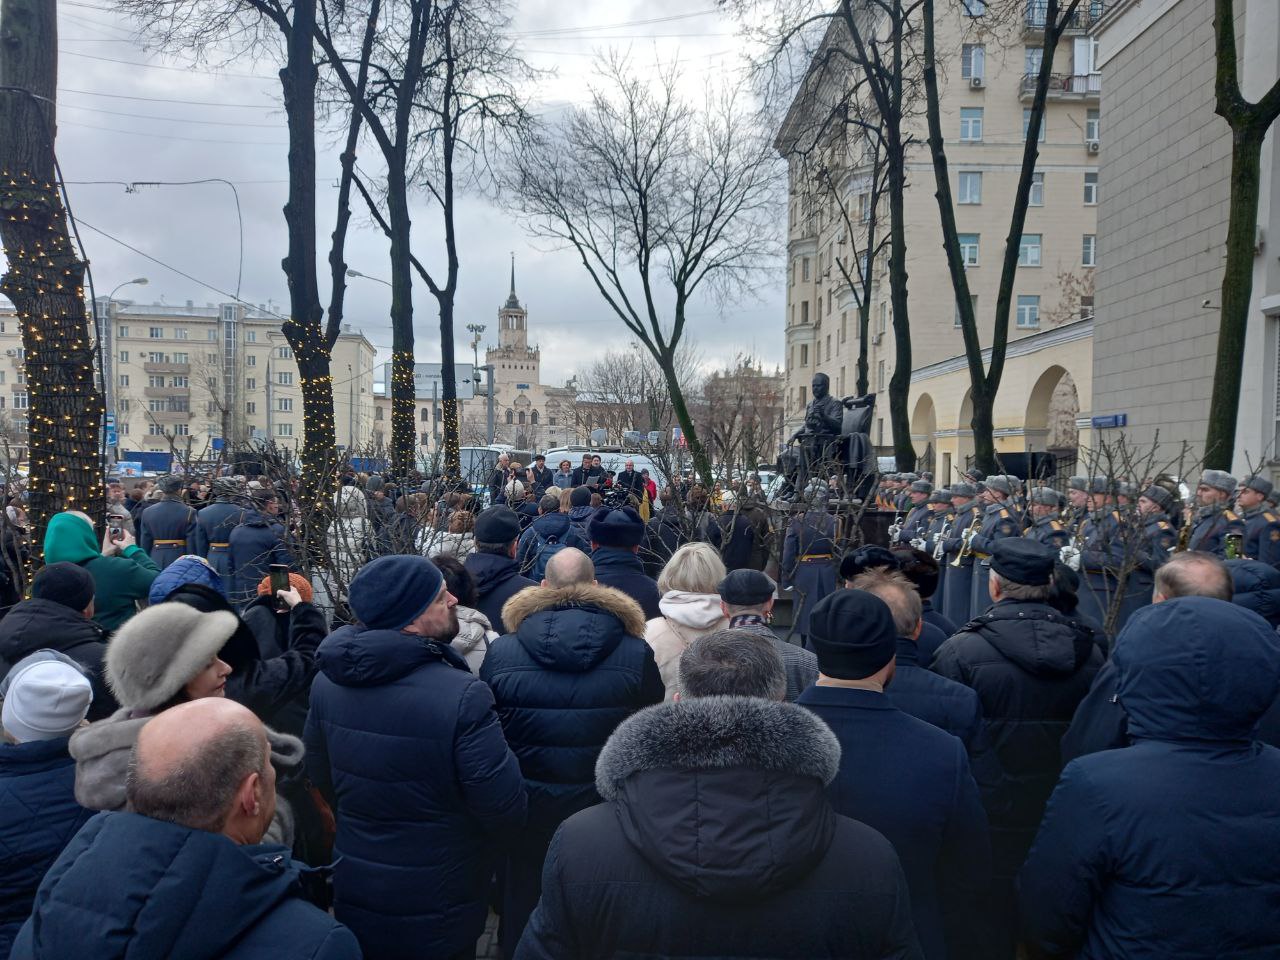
864, 328
983, 423
304, 329
45, 277
1237, 290
900, 383
697, 452
403, 391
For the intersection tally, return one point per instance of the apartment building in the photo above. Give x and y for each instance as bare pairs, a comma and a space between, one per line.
178, 378
1163, 220
987, 75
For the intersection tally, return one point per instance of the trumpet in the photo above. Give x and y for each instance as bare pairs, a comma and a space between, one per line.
1070, 556
895, 528
940, 547
966, 545
917, 543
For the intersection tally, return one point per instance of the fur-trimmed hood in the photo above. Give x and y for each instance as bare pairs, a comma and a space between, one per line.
725, 796
572, 629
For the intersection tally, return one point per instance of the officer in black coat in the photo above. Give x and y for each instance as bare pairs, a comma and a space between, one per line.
167, 528
256, 544
1046, 526
216, 521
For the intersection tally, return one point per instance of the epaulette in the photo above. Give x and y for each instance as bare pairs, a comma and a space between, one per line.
1004, 514
1270, 517
1164, 524
1115, 514
1057, 525
1231, 517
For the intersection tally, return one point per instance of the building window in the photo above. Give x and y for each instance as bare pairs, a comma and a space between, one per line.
511, 416
284, 353
124, 379
1092, 125
844, 325
213, 334
251, 383
804, 397
284, 404
973, 298
533, 417
179, 333
180, 382
884, 315
251, 361
124, 356
972, 58
880, 374
155, 333
1032, 59
804, 354
122, 406
20, 401
1089, 251
804, 311
1036, 197
974, 8
970, 187
251, 336
551, 421
210, 358
1026, 124
155, 358
828, 347
123, 429
181, 358
1090, 189
284, 378
425, 415
284, 429
155, 383
181, 430
228, 311
520, 418
970, 124
1028, 312
1086, 308
155, 429
969, 249
377, 413
250, 407
123, 331
1029, 250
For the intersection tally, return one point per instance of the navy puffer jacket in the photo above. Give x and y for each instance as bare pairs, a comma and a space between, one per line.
1168, 848
497, 580
408, 741
575, 667
38, 816
1256, 587
622, 569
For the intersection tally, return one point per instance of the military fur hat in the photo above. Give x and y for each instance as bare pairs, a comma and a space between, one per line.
1159, 495
1078, 483
1044, 496
1258, 483
999, 484
921, 486
157, 652
1099, 485
1219, 480
965, 490
170, 484
941, 495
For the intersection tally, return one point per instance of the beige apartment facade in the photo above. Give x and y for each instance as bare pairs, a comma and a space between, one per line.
179, 377
986, 78
1163, 225
528, 414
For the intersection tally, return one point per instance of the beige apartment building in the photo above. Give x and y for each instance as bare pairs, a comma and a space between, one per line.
987, 79
179, 377
1163, 220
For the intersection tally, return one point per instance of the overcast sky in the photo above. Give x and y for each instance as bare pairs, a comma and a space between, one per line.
115, 125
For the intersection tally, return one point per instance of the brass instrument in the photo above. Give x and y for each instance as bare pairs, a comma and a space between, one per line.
895, 528
917, 543
940, 547
966, 545
1070, 554
1184, 533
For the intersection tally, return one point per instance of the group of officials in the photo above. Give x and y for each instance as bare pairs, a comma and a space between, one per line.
1113, 534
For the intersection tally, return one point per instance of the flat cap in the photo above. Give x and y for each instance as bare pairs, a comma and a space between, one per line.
746, 588
1023, 560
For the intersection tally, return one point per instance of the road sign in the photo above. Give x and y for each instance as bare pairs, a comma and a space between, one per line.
427, 381
1111, 421
112, 439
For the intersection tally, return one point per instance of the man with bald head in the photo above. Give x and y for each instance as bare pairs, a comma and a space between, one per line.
184, 871
574, 666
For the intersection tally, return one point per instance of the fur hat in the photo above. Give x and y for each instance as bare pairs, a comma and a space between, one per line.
157, 652
616, 528
170, 484
1219, 480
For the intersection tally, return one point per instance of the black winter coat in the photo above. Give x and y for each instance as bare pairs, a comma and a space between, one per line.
1031, 666
408, 742
38, 624
664, 535
575, 667
129, 887
497, 581
38, 816
717, 840
255, 545
288, 638
623, 570
1168, 848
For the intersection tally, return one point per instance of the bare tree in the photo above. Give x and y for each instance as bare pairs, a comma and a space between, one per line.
45, 276
985, 382
658, 199
442, 98
626, 390
1249, 124
743, 411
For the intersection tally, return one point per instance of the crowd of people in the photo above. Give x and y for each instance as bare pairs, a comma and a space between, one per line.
588, 723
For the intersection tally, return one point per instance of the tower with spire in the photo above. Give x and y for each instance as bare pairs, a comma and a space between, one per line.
513, 331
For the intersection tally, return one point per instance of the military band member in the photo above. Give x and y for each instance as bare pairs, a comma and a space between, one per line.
902, 500
887, 491
959, 578
1046, 526
1215, 520
997, 524
1077, 502
1126, 495
216, 521
167, 529
1156, 506
916, 523
1261, 523
940, 516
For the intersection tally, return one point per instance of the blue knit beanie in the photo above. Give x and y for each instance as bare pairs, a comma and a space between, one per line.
391, 592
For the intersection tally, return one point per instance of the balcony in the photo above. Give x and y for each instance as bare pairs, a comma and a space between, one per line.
1086, 15
1084, 88
182, 393
184, 368
169, 415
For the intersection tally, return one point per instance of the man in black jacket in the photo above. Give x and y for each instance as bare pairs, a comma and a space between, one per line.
1031, 666
540, 475
493, 565
739, 778
167, 530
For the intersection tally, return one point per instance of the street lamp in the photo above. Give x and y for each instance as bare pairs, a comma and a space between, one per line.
106, 354
135, 282
353, 272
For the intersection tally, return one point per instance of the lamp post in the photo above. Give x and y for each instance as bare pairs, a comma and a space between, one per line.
476, 329
106, 346
353, 272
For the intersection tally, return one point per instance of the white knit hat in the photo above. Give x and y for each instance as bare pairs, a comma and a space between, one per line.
47, 699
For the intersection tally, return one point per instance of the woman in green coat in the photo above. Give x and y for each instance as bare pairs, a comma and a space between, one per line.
121, 570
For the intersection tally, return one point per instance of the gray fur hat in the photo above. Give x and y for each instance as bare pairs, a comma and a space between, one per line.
1078, 483
941, 495
170, 484
1219, 480
998, 484
966, 491
1044, 496
1257, 483
158, 651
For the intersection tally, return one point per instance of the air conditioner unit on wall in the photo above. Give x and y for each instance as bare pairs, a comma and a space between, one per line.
977, 83
1093, 146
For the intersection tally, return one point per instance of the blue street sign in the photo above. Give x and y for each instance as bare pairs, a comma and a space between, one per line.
1110, 421
111, 437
